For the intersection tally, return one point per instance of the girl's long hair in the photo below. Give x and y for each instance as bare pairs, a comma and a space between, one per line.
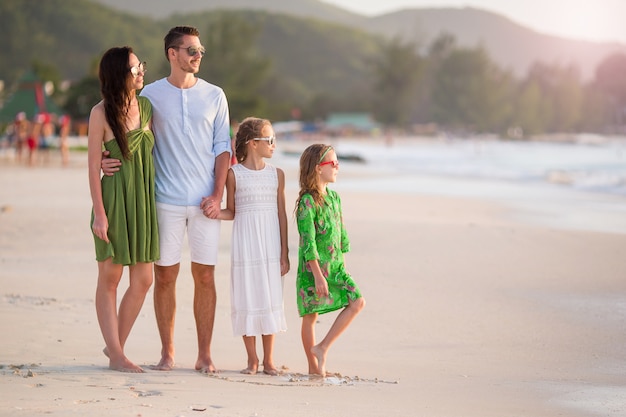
309, 178
116, 95
250, 128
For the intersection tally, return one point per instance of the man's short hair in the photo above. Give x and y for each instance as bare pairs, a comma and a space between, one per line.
175, 35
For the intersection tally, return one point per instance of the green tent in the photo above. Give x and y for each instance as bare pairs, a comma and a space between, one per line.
30, 98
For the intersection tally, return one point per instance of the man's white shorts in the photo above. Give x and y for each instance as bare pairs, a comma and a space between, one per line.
203, 234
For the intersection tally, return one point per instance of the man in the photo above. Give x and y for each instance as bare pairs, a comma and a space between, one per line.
192, 155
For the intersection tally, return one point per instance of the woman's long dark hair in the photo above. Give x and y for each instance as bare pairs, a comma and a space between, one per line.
116, 95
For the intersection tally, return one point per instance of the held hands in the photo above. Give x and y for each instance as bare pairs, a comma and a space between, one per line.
109, 165
210, 207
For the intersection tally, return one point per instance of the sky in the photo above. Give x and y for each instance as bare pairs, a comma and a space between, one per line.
593, 20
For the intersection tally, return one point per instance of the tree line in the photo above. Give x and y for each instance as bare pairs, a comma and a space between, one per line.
400, 82
462, 89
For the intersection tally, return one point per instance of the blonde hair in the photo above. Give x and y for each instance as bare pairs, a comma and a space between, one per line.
309, 177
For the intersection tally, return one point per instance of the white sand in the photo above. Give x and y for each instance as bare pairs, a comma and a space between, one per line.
469, 313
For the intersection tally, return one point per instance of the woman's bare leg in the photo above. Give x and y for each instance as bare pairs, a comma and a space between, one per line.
140, 276
109, 276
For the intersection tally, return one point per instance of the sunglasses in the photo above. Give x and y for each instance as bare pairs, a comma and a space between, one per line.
141, 67
192, 50
334, 164
270, 139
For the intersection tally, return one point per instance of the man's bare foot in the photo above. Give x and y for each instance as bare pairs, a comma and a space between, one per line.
124, 365
166, 364
320, 354
106, 352
206, 366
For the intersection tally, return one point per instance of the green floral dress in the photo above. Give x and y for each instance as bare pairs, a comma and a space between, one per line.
129, 199
323, 237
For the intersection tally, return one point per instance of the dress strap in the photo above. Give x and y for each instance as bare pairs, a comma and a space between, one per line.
145, 110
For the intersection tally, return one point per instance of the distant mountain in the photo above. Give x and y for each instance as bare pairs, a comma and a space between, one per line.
511, 45
160, 9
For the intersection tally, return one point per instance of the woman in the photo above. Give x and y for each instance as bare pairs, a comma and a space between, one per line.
124, 214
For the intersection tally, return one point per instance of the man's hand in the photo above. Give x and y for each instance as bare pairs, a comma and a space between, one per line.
109, 165
211, 207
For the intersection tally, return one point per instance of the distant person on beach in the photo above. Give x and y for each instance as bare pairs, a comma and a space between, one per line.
323, 285
192, 157
34, 136
123, 221
259, 254
21, 128
46, 136
64, 130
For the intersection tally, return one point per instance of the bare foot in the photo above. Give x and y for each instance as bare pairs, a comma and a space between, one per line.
270, 371
106, 352
320, 354
166, 364
249, 370
206, 366
124, 365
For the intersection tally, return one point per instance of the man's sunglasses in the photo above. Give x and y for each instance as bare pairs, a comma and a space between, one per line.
192, 50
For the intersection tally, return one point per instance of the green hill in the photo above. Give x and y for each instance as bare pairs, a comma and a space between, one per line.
510, 44
319, 59
309, 55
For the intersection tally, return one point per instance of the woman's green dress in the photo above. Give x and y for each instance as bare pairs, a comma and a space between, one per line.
129, 200
323, 237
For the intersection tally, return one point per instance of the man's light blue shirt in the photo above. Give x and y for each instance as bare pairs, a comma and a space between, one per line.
191, 128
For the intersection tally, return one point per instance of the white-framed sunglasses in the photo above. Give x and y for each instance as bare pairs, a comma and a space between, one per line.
270, 139
141, 67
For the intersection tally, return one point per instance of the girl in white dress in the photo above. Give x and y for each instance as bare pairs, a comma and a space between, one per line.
259, 254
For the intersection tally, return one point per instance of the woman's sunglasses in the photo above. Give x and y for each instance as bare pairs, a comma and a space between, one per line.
141, 67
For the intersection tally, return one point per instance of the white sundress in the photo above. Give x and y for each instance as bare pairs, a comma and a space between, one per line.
256, 287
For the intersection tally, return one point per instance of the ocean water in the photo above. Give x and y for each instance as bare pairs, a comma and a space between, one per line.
589, 167
579, 186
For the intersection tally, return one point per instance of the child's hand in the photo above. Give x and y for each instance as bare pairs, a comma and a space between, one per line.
284, 266
321, 287
225, 214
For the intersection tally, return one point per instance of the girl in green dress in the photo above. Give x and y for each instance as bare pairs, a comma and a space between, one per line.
322, 282
123, 220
